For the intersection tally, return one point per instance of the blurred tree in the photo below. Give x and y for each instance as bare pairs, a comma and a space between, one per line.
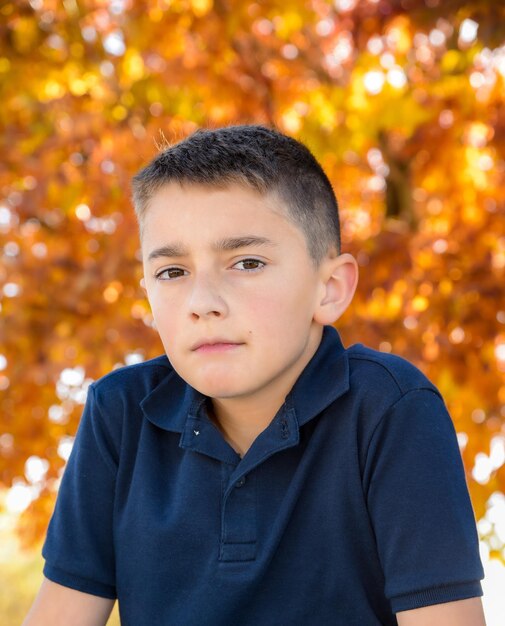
402, 103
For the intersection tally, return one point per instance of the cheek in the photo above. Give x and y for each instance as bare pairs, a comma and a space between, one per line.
273, 314
163, 311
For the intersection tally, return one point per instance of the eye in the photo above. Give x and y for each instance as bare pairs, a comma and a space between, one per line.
170, 273
253, 261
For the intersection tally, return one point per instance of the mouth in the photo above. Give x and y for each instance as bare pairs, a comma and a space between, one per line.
216, 347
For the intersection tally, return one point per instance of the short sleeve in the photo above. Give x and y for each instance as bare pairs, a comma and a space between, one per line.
420, 507
79, 548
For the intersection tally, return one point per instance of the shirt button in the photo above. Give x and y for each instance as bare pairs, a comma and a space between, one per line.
284, 428
240, 482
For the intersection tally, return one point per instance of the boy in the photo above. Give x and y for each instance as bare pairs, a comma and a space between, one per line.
259, 473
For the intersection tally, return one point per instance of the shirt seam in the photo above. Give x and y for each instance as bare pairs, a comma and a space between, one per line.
112, 468
390, 407
438, 594
435, 587
376, 362
69, 573
381, 419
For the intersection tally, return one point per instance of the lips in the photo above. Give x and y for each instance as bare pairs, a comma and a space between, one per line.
212, 342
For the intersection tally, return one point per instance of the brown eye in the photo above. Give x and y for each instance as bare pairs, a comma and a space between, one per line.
254, 262
169, 274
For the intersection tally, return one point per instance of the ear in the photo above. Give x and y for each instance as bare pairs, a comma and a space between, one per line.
142, 283
338, 280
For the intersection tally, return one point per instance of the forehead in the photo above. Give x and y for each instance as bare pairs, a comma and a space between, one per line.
191, 212
191, 196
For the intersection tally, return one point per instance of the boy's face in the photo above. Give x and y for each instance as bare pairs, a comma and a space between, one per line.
261, 297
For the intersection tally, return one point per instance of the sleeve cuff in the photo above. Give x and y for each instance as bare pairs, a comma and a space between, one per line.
77, 582
436, 595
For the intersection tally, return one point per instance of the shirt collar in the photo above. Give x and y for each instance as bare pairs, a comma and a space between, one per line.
324, 379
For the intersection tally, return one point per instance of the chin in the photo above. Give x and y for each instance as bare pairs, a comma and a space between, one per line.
217, 391
218, 388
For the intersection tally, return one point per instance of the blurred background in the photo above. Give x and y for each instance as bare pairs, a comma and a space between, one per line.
402, 103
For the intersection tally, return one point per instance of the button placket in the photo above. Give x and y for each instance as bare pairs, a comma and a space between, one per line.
238, 532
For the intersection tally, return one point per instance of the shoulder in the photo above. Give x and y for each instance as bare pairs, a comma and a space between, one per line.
385, 371
113, 405
378, 381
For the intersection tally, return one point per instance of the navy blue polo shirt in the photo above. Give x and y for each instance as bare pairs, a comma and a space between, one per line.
350, 506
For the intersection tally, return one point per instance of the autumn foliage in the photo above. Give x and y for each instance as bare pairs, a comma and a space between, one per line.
402, 102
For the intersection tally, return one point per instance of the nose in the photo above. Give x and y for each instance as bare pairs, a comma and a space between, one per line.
206, 299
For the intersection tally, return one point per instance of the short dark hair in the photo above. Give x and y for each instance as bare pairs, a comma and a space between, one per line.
257, 157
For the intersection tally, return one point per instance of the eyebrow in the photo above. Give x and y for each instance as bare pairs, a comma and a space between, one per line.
228, 243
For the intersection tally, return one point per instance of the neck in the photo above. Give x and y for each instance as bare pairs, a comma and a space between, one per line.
242, 419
